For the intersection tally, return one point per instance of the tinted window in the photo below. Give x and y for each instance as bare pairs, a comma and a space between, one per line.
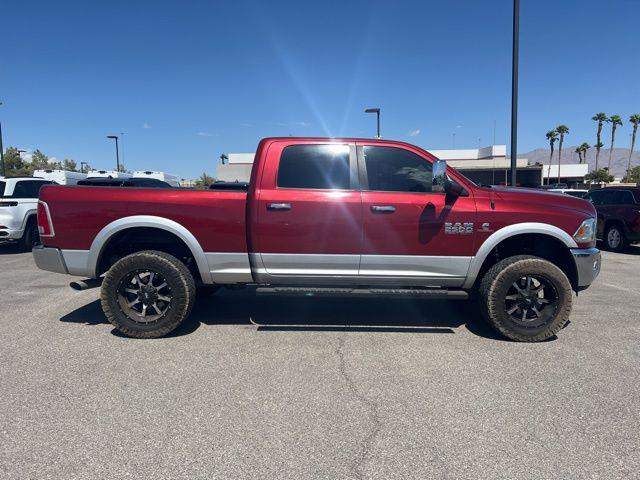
2, 184
623, 197
391, 169
597, 198
147, 183
323, 167
28, 189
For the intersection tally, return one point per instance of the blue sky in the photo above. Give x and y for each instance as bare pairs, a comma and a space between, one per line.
189, 80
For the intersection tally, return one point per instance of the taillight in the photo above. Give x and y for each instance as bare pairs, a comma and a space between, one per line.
45, 227
8, 204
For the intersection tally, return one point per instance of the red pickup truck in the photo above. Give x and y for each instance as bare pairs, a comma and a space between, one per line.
326, 216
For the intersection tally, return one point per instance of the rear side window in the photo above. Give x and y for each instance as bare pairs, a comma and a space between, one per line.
623, 197
322, 167
2, 184
28, 189
391, 169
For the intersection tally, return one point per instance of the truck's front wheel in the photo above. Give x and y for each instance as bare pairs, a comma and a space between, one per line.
147, 294
526, 298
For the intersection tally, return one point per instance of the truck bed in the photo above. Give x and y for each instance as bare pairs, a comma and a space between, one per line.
216, 218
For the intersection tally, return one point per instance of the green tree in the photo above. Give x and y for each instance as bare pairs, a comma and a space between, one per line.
634, 120
14, 165
600, 118
69, 165
615, 121
562, 131
599, 176
584, 147
204, 181
39, 161
579, 152
633, 175
552, 136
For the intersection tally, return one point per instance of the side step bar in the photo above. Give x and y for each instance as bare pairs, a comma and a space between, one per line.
426, 293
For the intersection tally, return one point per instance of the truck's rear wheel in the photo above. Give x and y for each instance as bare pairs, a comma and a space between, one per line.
526, 298
147, 294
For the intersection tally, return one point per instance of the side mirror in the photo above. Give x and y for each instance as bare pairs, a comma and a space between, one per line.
441, 182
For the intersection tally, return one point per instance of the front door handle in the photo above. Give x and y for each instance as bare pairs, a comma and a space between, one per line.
279, 206
383, 208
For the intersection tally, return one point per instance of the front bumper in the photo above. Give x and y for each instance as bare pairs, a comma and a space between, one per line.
9, 234
587, 265
49, 259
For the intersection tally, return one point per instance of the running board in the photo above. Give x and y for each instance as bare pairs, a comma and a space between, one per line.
426, 293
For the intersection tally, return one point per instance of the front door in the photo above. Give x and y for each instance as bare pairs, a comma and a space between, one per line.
309, 213
412, 235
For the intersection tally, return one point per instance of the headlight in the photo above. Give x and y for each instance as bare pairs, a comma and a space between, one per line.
586, 233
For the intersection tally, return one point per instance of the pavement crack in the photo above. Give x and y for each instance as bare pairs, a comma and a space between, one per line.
374, 418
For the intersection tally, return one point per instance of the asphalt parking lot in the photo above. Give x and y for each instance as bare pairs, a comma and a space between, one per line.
316, 388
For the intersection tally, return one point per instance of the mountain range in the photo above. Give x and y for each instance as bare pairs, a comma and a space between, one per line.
618, 160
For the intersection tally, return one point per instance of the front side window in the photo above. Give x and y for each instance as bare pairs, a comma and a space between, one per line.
391, 169
597, 198
324, 167
623, 197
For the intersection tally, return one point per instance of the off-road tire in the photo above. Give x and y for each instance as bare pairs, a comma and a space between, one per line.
30, 236
498, 280
178, 278
622, 245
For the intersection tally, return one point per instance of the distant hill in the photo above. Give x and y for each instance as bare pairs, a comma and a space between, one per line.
618, 162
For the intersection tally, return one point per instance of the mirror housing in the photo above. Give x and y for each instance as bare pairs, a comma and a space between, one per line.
441, 182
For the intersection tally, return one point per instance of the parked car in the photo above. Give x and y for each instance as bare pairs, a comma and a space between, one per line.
618, 216
124, 182
327, 217
570, 191
18, 205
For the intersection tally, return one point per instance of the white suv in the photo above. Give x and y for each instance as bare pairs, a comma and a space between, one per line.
18, 205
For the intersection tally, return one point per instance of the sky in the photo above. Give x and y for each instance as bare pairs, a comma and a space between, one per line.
188, 80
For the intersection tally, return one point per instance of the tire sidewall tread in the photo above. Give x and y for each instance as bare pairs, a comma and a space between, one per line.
175, 272
497, 281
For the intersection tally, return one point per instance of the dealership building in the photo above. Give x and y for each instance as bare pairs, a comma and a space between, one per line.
486, 166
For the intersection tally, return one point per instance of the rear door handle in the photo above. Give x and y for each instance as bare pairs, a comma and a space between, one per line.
279, 206
383, 208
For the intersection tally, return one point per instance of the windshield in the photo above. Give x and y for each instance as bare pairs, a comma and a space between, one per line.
2, 184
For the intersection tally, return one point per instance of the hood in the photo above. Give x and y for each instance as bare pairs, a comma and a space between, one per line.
543, 199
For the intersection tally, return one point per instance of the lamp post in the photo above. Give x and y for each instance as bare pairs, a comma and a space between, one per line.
377, 112
514, 91
115, 137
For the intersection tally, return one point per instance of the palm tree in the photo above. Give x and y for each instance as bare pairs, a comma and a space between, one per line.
562, 131
600, 118
614, 120
584, 147
552, 136
634, 120
579, 152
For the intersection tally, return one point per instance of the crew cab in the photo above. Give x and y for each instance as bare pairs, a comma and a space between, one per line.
618, 211
18, 203
324, 216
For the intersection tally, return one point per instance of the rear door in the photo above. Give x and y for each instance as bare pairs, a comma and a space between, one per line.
309, 221
412, 235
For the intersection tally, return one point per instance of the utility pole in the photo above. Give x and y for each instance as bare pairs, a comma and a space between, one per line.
514, 91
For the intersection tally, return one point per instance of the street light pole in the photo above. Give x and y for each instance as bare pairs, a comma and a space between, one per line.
377, 112
115, 137
514, 91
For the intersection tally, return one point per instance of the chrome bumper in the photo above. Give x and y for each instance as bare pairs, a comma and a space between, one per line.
587, 265
49, 259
